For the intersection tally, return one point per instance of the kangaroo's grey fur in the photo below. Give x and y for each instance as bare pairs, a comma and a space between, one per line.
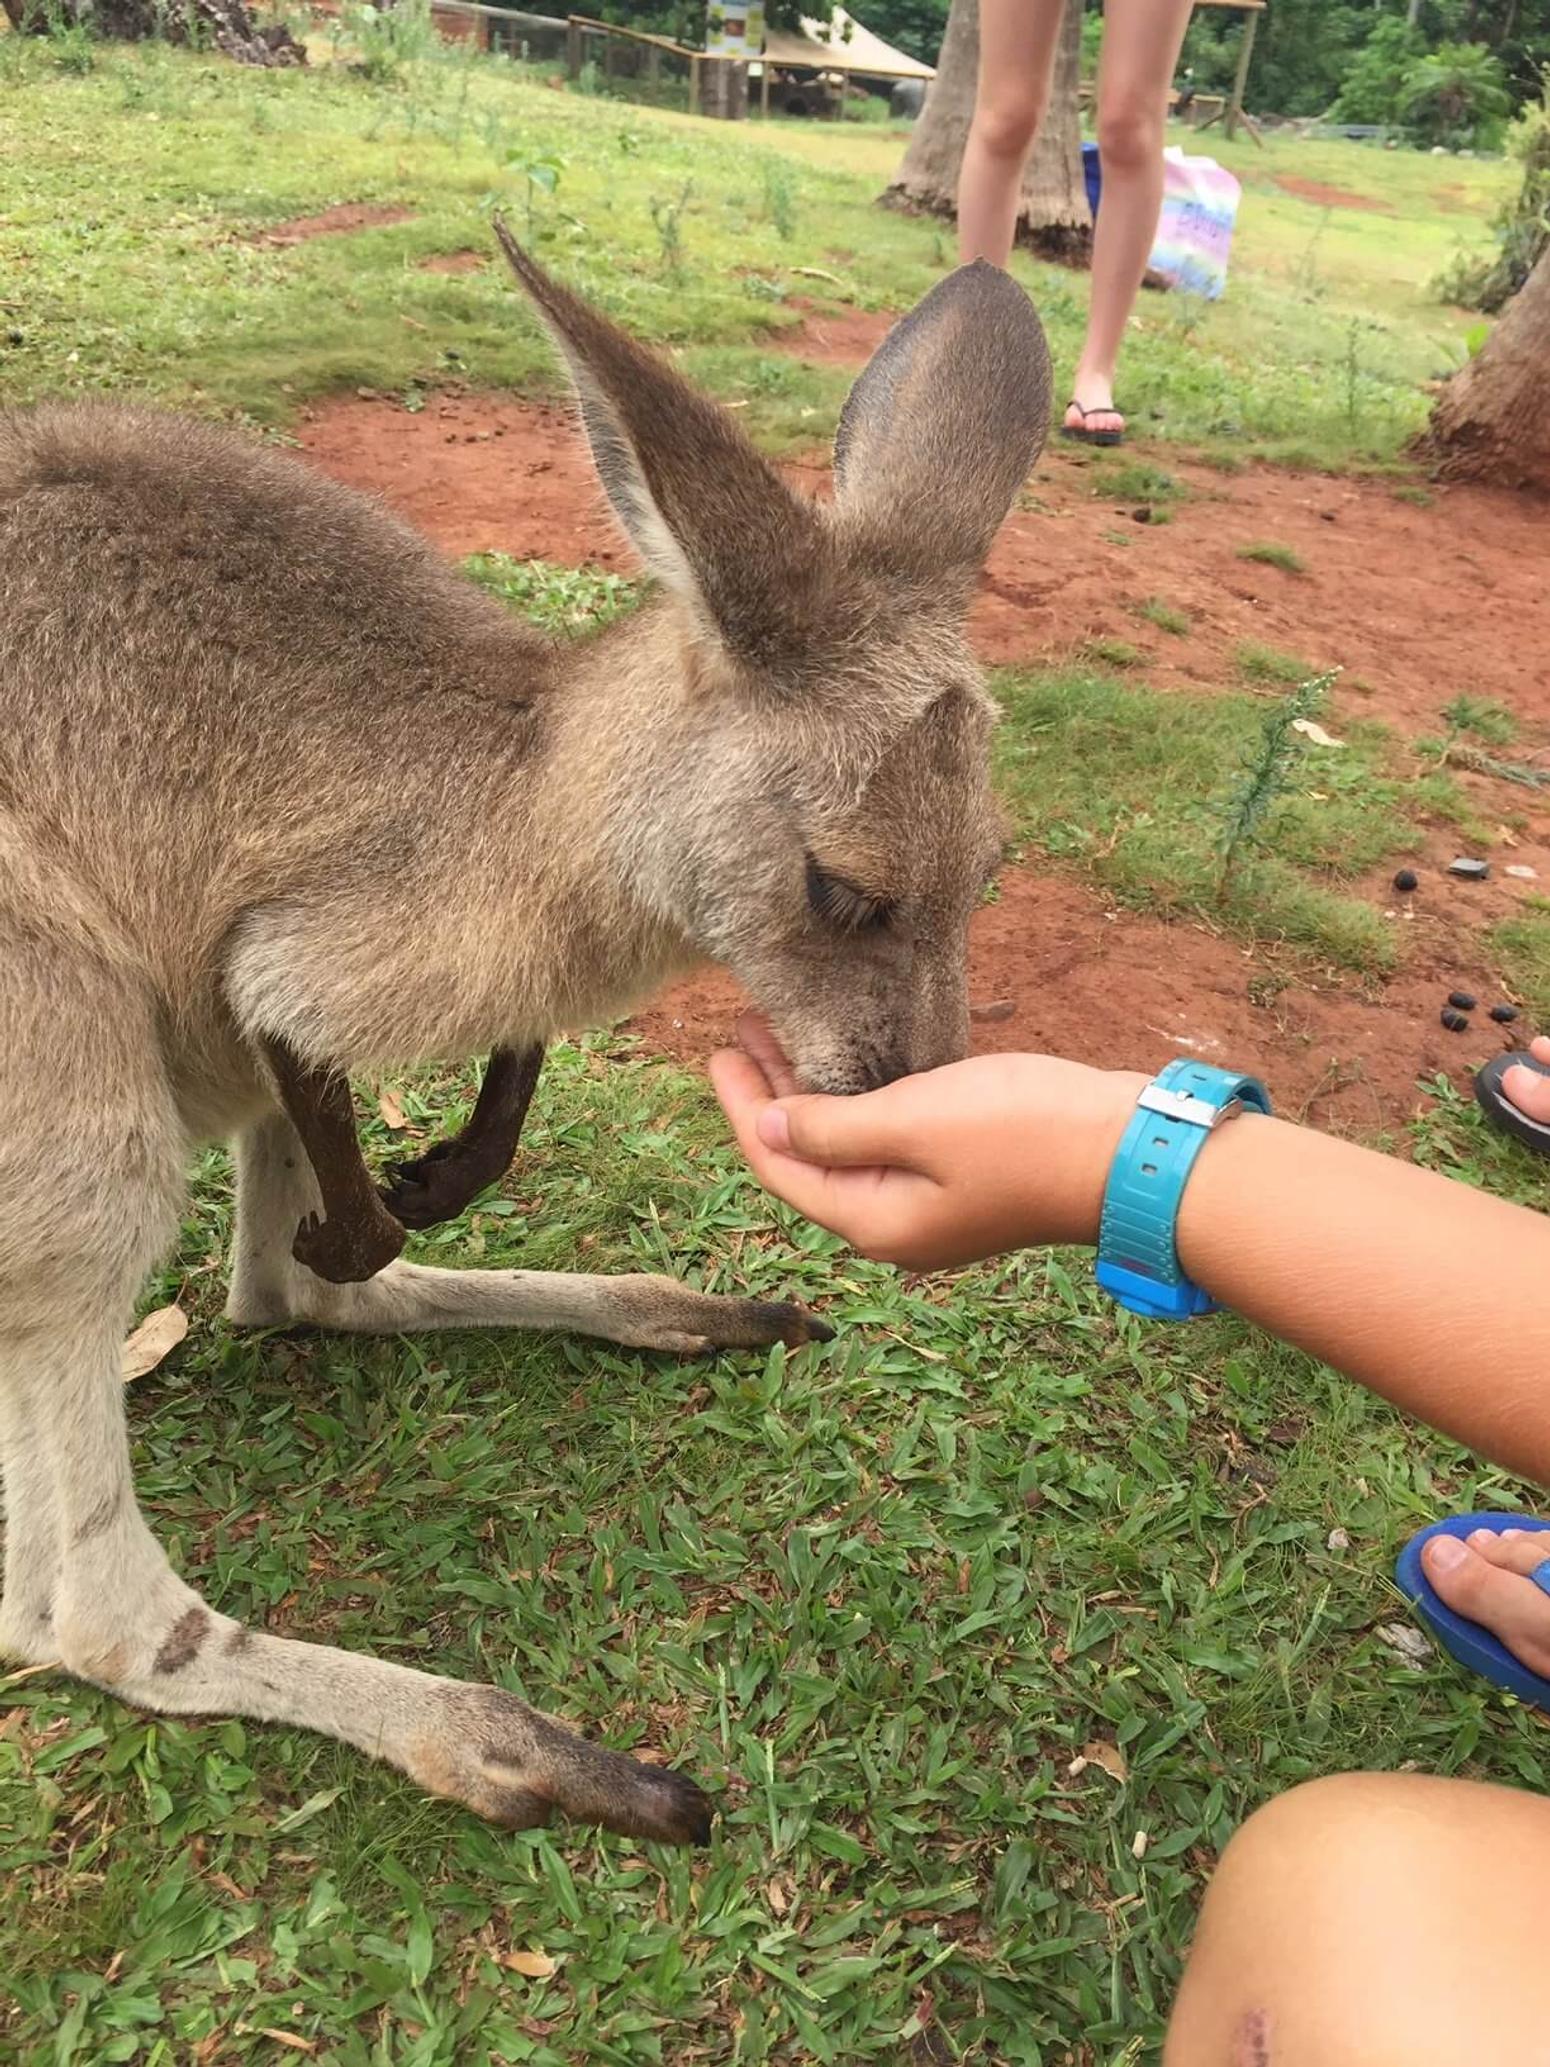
271, 771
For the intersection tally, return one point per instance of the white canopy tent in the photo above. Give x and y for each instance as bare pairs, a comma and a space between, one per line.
841, 45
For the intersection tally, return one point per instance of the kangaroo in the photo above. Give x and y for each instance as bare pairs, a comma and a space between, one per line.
282, 796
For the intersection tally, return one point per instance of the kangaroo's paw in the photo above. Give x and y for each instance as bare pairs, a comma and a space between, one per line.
491, 1751
348, 1251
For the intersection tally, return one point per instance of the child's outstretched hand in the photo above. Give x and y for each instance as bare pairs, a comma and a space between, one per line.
939, 1169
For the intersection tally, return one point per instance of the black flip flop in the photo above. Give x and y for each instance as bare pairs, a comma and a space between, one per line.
1499, 1108
1079, 432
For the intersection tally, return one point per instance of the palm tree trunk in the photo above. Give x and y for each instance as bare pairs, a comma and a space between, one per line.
1490, 422
1053, 216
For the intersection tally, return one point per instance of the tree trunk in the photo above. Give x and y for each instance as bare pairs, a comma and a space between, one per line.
1053, 216
225, 25
1490, 422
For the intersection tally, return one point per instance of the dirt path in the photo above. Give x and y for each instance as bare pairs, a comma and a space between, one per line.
1416, 603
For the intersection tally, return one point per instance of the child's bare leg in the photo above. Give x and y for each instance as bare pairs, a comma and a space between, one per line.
1375, 1920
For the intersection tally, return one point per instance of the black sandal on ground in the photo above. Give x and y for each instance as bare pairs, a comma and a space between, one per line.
1499, 1108
1079, 431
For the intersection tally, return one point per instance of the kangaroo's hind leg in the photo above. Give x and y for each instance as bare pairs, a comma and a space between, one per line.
276, 1190
90, 1178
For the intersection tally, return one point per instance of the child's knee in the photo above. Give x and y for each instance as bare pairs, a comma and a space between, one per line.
1130, 135
1005, 124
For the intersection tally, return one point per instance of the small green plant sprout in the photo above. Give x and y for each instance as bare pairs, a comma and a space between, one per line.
539, 176
667, 218
1266, 774
1265, 553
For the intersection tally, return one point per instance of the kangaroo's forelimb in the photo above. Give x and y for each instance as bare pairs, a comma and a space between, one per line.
356, 1235
451, 1174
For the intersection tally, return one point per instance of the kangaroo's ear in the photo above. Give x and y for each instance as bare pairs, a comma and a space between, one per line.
708, 514
942, 428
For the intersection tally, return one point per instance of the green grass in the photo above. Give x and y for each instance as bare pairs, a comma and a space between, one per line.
1113, 653
1165, 616
567, 600
1257, 663
1522, 943
135, 192
1267, 554
879, 1595
1135, 789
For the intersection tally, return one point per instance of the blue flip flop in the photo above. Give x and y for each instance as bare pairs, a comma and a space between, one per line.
1472, 1645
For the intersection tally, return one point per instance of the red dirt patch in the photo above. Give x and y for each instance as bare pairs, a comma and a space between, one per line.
843, 337
454, 262
475, 473
1416, 603
1330, 197
333, 222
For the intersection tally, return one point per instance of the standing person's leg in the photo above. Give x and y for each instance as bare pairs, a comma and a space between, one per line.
1141, 42
1376, 1920
1017, 56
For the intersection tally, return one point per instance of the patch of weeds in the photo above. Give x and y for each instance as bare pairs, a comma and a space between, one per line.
1126, 785
1453, 1136
1134, 480
1113, 652
1266, 774
389, 39
1265, 553
780, 196
1483, 718
562, 600
667, 220
1165, 617
1522, 944
1256, 663
1408, 491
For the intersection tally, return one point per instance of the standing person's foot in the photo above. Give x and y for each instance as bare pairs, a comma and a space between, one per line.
1514, 1091
1091, 417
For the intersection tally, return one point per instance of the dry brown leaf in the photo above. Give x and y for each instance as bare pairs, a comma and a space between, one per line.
775, 1894
1139, 1843
288, 2038
1109, 1756
156, 1337
392, 1112
537, 1966
1315, 732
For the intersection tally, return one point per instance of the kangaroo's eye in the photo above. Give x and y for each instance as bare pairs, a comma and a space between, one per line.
843, 904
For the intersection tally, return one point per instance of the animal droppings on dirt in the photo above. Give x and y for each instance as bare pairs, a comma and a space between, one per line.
1407, 879
333, 222
1462, 1000
1453, 1020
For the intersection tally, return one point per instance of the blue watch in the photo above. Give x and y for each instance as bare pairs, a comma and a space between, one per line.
1138, 1257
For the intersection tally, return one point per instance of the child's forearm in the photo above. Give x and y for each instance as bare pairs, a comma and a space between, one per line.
1433, 1294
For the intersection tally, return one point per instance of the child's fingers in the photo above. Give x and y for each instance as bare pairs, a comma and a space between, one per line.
758, 1039
839, 1133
